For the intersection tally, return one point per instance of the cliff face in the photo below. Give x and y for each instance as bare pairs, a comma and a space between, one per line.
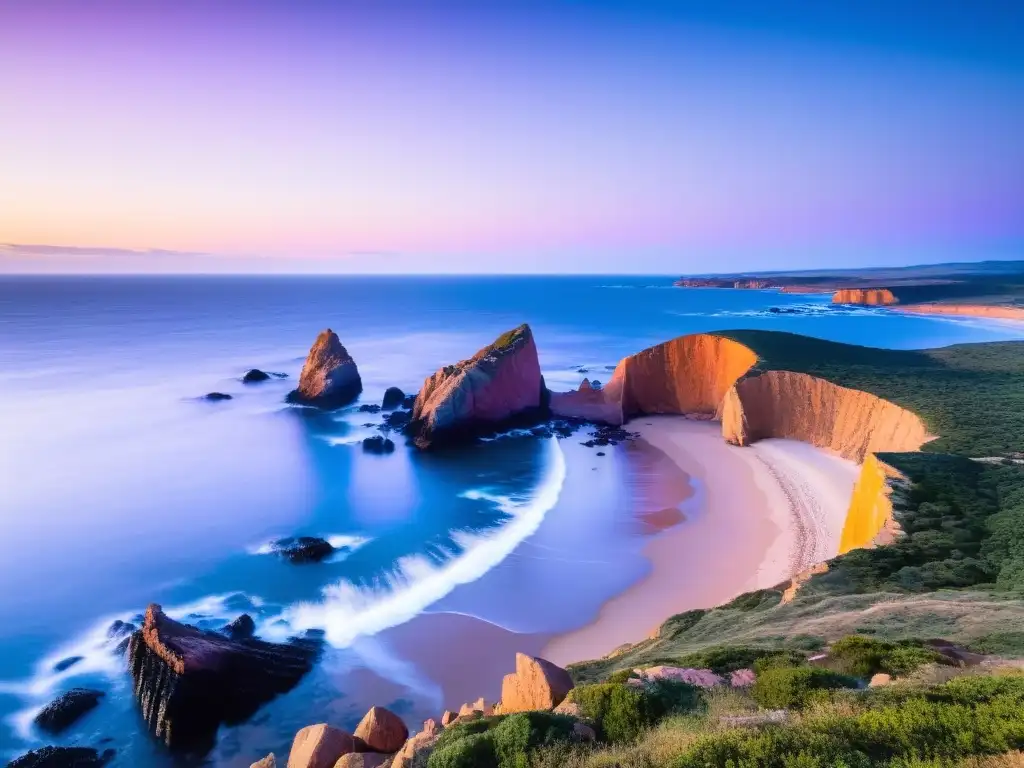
869, 519
187, 681
869, 296
996, 312
500, 382
796, 405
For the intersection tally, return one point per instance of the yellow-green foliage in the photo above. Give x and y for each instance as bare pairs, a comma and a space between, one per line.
795, 687
621, 712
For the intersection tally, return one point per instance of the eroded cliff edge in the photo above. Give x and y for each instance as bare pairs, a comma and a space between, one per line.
716, 377
868, 296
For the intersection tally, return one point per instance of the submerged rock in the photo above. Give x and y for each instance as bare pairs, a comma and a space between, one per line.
188, 682
501, 384
63, 757
393, 397
378, 444
67, 663
255, 376
397, 420
216, 397
329, 377
303, 549
369, 408
63, 711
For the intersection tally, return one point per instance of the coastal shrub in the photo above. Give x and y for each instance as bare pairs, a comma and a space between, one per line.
472, 751
778, 659
795, 687
621, 676
1009, 643
519, 734
914, 731
621, 713
680, 623
752, 601
466, 728
866, 656
723, 659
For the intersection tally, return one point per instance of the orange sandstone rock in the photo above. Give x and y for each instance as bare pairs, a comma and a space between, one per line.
382, 730
319, 746
536, 684
803, 407
869, 296
972, 310
870, 511
448, 718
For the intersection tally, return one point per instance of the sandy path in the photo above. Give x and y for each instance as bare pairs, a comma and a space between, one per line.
760, 515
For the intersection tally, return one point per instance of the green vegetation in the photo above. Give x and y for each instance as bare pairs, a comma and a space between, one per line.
621, 713
796, 687
499, 742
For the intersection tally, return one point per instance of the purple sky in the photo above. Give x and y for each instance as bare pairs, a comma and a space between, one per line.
527, 136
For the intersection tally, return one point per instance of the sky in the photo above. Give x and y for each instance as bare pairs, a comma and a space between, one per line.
231, 135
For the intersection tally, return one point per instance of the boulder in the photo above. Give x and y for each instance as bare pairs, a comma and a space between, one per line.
255, 376
393, 398
397, 420
63, 757
584, 386
583, 732
267, 762
570, 708
241, 628
319, 746
216, 397
382, 730
63, 711
303, 549
500, 385
536, 684
362, 760
187, 681
67, 663
448, 718
880, 680
329, 378
417, 747
702, 678
378, 444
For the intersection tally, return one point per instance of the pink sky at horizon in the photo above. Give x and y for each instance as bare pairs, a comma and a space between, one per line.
290, 135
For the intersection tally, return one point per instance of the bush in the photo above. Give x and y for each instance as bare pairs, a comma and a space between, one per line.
499, 742
776, 660
621, 676
795, 687
621, 713
865, 656
722, 659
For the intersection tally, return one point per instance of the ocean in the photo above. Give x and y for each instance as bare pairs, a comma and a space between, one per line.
121, 486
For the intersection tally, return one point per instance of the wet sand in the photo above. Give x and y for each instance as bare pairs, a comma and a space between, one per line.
759, 515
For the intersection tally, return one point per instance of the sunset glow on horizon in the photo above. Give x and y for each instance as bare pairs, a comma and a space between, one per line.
561, 134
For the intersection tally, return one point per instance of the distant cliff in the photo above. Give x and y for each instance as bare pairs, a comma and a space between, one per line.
867, 296
752, 283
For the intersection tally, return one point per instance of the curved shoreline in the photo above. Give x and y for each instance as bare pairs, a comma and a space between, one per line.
788, 498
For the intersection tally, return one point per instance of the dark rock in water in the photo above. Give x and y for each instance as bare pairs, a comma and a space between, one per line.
595, 384
188, 682
303, 549
215, 397
67, 663
255, 376
241, 628
329, 377
121, 628
582, 370
397, 419
599, 453
369, 408
409, 401
378, 444
63, 757
66, 709
393, 397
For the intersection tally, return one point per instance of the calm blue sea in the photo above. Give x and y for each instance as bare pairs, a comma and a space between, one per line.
120, 487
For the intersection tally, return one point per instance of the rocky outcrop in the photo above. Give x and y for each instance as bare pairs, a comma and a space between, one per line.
378, 444
63, 757
499, 385
362, 760
270, 761
867, 296
216, 397
382, 730
752, 283
803, 407
687, 375
320, 746
255, 376
303, 549
536, 684
393, 398
187, 681
63, 711
329, 377
993, 312
869, 517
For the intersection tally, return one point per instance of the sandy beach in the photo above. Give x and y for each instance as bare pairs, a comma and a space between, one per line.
758, 515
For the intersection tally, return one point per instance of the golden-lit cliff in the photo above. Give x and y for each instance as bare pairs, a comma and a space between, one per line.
870, 296
870, 513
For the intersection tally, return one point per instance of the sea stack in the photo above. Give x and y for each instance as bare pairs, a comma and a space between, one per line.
329, 377
187, 681
499, 385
